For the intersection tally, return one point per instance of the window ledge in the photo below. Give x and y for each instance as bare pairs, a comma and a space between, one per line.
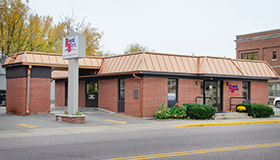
274, 59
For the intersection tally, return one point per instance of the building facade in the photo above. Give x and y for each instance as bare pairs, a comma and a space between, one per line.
135, 84
263, 46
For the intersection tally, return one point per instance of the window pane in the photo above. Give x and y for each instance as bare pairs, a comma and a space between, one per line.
172, 89
274, 55
245, 90
271, 89
277, 89
250, 56
122, 91
92, 87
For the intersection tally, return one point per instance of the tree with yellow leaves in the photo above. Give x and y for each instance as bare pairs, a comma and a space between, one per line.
22, 31
136, 47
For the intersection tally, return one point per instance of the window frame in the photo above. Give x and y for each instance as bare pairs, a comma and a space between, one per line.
274, 55
251, 54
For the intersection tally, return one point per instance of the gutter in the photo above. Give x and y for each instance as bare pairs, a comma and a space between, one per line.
141, 94
28, 89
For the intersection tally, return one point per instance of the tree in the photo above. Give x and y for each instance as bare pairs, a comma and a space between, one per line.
93, 37
136, 47
24, 31
13, 18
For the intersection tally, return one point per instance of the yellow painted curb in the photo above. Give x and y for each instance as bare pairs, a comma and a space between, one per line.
227, 123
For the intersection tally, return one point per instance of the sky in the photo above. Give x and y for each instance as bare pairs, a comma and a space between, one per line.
187, 27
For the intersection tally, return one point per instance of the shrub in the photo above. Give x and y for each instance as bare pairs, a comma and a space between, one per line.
190, 110
177, 111
161, 113
200, 111
261, 111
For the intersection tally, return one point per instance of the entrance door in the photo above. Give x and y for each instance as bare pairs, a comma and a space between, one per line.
212, 94
121, 98
92, 93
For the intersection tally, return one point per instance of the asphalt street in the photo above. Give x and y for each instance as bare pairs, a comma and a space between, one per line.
260, 141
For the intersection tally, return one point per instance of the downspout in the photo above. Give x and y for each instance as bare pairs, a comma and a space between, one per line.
141, 94
28, 89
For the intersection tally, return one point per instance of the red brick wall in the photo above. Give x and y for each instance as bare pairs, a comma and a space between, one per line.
40, 95
132, 106
59, 94
227, 95
82, 94
108, 94
188, 90
259, 92
16, 96
155, 92
264, 47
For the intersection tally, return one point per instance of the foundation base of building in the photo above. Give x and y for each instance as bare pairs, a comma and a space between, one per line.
70, 118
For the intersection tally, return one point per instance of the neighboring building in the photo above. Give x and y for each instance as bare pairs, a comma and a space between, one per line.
2, 75
135, 84
264, 46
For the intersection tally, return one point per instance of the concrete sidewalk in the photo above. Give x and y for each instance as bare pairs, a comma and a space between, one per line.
95, 123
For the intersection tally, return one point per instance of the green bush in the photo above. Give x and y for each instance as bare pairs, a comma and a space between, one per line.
199, 111
177, 111
258, 110
261, 111
161, 113
190, 110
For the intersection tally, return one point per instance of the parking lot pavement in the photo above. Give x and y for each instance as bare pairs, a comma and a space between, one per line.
277, 111
93, 118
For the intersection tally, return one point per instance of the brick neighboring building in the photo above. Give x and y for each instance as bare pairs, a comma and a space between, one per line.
135, 84
264, 46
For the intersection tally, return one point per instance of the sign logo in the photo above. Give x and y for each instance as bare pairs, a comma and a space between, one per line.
233, 88
70, 47
74, 46
70, 44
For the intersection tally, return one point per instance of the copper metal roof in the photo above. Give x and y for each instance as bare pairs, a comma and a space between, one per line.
158, 62
150, 62
49, 59
59, 74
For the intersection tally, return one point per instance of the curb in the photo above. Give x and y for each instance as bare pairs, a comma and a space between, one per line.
227, 123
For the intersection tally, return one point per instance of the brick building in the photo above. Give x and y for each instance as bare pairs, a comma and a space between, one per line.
135, 84
264, 46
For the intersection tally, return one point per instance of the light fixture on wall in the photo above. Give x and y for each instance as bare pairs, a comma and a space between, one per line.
196, 82
227, 83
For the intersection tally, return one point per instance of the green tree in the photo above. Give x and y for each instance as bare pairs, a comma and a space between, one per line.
23, 31
136, 47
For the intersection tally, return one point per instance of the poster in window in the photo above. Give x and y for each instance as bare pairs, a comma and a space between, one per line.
171, 96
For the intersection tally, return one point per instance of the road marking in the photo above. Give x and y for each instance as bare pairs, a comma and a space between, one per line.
109, 120
26, 125
184, 153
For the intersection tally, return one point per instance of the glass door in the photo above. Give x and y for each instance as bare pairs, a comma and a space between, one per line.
212, 94
121, 100
92, 94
